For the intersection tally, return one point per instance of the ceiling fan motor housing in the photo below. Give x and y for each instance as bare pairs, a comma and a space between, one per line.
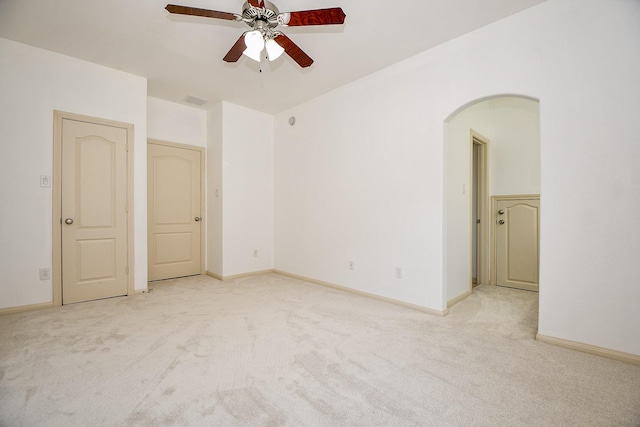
267, 15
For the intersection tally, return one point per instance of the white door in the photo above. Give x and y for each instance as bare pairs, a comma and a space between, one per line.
174, 211
93, 211
517, 243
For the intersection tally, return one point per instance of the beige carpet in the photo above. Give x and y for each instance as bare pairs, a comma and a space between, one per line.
271, 351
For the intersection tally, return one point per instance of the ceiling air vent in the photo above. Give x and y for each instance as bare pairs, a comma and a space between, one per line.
195, 100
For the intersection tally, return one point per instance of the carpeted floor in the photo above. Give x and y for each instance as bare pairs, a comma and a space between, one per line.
269, 351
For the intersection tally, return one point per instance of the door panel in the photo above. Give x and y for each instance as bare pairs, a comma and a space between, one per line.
517, 243
94, 211
174, 210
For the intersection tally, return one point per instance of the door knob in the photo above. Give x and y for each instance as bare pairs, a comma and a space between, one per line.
197, 218
501, 222
501, 212
68, 221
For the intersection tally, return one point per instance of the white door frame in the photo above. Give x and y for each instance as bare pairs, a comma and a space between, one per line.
56, 266
203, 209
484, 214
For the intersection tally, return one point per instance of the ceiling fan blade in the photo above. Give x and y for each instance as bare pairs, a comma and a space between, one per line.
293, 50
256, 3
236, 50
185, 10
334, 15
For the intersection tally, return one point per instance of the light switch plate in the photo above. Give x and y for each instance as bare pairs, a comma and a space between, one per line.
45, 181
45, 274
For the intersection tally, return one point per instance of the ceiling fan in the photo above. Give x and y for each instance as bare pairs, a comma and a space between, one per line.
263, 17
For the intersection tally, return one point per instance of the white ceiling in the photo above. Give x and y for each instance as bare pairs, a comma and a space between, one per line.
182, 55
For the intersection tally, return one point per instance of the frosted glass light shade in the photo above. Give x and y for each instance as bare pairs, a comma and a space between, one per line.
255, 45
274, 50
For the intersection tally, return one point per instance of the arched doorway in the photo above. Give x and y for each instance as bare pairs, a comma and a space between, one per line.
492, 149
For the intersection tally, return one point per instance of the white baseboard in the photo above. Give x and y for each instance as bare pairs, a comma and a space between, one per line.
365, 294
238, 276
459, 298
214, 275
29, 307
141, 291
591, 349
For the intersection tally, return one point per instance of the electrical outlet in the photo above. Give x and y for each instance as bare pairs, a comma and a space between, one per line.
255, 253
351, 265
45, 274
398, 272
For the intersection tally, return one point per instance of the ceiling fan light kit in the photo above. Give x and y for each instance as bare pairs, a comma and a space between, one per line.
274, 50
263, 17
255, 45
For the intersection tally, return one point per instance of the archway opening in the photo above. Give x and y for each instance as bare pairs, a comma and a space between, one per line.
492, 149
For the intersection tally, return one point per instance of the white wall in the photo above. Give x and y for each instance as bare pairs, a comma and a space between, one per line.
173, 122
34, 83
514, 152
360, 175
246, 189
590, 136
359, 179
